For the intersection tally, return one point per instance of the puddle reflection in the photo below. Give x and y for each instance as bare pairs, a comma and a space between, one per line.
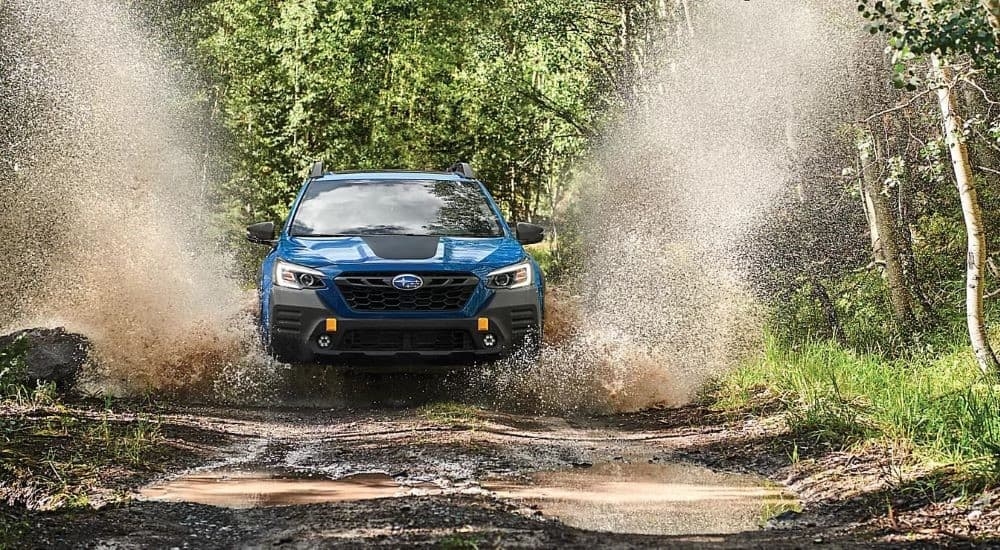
237, 489
653, 499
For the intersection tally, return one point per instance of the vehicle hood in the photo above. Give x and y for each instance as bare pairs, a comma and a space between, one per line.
402, 252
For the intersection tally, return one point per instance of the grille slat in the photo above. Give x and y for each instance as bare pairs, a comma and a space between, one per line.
376, 293
406, 340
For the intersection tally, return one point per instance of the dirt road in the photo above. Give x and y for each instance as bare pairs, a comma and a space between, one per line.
397, 463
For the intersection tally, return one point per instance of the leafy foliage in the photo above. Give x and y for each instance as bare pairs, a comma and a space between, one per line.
395, 84
950, 28
12, 367
524, 89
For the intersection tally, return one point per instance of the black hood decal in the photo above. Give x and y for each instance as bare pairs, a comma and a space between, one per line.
403, 247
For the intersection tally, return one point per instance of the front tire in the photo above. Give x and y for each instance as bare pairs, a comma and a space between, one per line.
285, 350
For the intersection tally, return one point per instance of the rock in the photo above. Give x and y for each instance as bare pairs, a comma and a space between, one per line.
54, 355
784, 520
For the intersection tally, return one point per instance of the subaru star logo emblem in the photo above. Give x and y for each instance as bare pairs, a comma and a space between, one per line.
407, 282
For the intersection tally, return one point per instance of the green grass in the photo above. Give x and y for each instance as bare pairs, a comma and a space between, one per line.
776, 505
937, 404
58, 458
54, 456
460, 542
13, 367
12, 528
450, 413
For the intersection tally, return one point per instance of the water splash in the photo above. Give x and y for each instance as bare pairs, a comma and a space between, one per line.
104, 174
669, 201
104, 181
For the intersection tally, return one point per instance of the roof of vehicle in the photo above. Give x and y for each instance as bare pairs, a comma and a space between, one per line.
392, 174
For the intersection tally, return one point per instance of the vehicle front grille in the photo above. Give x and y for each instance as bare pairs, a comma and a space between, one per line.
406, 340
448, 292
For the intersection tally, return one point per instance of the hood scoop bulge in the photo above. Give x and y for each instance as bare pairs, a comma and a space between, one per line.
403, 247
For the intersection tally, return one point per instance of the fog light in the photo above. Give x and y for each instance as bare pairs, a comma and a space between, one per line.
324, 341
489, 340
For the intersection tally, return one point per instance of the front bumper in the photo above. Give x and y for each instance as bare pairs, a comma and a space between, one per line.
300, 330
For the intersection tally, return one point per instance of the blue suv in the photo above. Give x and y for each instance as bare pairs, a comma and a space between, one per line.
394, 264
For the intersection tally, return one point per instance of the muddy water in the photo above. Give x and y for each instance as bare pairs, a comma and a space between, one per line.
252, 489
653, 499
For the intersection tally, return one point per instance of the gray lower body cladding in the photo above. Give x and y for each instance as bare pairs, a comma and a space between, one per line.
299, 330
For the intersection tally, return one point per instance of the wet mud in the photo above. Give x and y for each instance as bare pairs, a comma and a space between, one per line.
651, 499
250, 489
448, 473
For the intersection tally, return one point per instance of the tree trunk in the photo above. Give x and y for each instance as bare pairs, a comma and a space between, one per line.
904, 199
627, 44
902, 196
873, 228
687, 17
829, 310
885, 243
971, 211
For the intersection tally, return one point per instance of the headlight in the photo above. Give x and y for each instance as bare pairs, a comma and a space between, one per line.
298, 277
515, 276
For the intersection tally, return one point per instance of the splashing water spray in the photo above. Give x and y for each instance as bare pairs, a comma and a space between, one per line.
103, 184
106, 228
669, 199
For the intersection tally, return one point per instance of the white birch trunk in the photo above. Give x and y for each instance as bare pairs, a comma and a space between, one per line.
971, 211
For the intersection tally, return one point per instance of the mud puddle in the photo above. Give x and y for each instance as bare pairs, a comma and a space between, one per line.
651, 499
257, 489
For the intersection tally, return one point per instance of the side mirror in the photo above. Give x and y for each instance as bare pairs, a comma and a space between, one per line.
529, 233
261, 233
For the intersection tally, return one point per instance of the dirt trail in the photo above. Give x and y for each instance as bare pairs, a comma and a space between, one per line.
424, 471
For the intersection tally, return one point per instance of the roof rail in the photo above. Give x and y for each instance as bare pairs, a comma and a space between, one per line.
463, 169
317, 169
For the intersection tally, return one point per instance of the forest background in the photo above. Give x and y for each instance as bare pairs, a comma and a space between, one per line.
877, 324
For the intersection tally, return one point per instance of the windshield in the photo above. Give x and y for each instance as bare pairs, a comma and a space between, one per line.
394, 207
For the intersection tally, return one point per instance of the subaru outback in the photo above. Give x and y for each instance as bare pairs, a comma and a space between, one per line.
398, 265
